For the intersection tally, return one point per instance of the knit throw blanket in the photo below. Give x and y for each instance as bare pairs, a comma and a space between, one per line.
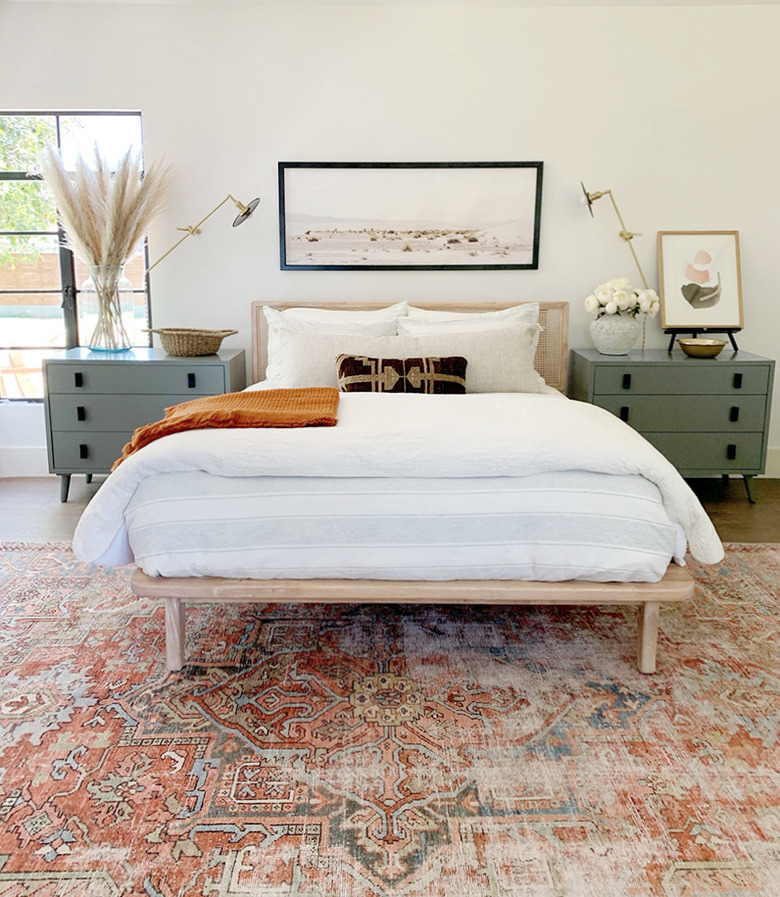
313, 407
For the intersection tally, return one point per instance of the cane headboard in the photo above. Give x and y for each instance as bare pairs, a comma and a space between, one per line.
551, 354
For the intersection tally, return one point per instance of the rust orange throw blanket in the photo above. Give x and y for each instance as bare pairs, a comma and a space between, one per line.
313, 407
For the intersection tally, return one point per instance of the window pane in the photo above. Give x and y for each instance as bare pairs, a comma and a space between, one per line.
20, 374
26, 205
22, 137
114, 134
31, 319
29, 263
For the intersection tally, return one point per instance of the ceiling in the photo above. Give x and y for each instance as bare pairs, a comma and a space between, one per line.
422, 3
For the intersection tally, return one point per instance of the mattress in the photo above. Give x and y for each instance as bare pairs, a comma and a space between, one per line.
551, 526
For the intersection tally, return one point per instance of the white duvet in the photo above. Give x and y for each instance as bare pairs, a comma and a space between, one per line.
388, 435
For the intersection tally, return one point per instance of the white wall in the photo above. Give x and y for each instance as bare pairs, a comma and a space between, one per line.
673, 107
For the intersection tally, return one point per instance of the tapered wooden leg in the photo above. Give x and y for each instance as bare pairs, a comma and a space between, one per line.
648, 636
175, 622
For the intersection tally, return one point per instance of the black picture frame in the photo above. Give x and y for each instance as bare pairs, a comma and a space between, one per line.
411, 216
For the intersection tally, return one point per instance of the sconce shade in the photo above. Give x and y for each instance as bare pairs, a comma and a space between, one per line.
247, 213
588, 200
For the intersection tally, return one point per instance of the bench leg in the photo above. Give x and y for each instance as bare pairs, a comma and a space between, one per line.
175, 621
648, 636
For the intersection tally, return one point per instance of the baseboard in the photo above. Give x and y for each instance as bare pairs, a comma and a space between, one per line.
23, 461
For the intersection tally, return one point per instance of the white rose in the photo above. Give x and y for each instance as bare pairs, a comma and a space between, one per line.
619, 283
655, 307
591, 304
644, 304
611, 308
621, 299
603, 295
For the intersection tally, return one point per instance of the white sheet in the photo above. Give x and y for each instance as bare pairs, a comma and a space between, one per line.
388, 435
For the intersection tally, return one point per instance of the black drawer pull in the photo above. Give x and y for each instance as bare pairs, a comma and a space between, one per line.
83, 451
624, 413
626, 381
737, 381
734, 414
78, 379
81, 412
731, 452
191, 381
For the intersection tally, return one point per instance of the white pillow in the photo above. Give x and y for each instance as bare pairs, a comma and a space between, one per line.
389, 313
499, 360
526, 313
376, 323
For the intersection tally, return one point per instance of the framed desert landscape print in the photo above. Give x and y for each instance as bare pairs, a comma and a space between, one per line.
409, 215
700, 280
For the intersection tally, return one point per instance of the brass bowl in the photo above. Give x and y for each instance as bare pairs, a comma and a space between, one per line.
702, 348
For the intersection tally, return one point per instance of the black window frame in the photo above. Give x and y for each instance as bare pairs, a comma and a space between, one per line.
69, 287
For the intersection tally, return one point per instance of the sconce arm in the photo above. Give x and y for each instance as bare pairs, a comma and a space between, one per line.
626, 235
194, 229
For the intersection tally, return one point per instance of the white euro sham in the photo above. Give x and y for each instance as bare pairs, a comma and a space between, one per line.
499, 360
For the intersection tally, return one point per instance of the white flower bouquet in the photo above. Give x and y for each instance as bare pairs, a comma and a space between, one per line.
618, 297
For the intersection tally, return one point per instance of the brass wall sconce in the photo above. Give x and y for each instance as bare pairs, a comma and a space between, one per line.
626, 235
245, 212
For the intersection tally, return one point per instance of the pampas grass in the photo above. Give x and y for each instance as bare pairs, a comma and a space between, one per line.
105, 214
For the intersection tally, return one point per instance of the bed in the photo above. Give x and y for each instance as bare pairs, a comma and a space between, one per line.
510, 494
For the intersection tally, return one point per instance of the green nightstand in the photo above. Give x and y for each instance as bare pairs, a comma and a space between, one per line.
709, 416
95, 400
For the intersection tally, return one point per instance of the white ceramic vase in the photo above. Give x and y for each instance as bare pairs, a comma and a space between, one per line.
614, 334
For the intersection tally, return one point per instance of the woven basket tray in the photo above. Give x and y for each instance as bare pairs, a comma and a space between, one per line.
188, 341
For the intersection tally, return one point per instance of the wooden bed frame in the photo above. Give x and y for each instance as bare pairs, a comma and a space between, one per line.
551, 361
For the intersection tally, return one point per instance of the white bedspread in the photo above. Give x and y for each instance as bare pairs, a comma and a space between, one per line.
388, 435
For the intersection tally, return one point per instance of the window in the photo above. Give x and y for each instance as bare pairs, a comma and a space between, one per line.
39, 277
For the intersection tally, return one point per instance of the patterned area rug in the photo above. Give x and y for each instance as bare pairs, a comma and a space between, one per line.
362, 750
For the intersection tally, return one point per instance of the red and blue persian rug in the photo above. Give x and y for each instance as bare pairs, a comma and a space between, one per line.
356, 751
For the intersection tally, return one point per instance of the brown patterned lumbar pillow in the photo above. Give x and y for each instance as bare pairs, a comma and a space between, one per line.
358, 373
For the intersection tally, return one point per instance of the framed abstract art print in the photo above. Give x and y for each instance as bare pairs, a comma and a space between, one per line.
700, 280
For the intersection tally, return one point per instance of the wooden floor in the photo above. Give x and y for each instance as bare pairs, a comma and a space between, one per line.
31, 511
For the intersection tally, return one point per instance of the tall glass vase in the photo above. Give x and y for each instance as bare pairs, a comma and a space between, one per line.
103, 297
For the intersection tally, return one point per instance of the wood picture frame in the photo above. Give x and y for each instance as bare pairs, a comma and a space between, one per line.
700, 280
345, 216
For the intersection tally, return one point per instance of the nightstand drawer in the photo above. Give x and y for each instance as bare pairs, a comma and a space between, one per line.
708, 453
700, 378
150, 378
93, 452
727, 414
98, 412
